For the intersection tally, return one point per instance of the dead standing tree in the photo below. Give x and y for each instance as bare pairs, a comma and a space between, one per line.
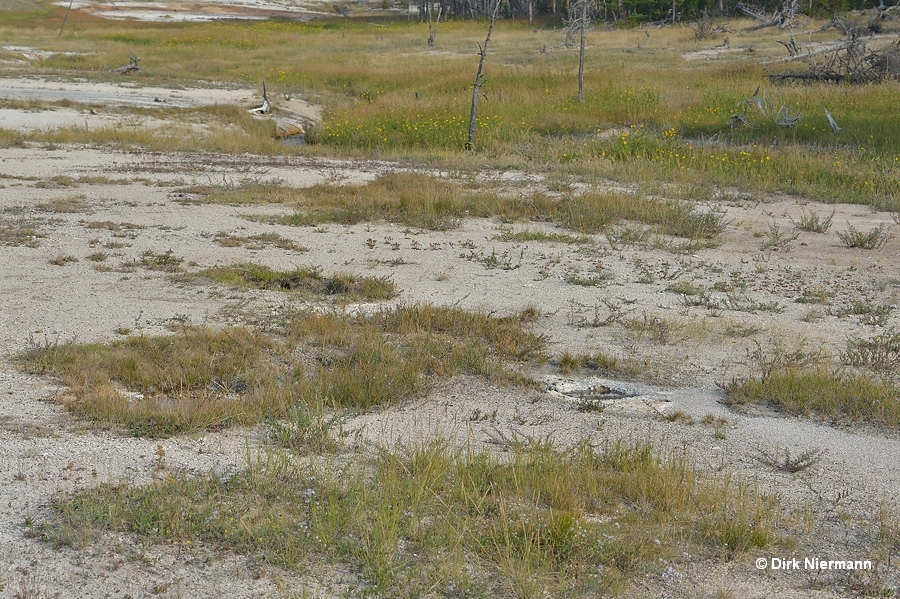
579, 22
433, 24
476, 88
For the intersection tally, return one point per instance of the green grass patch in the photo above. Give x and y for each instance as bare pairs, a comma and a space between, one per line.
593, 212
820, 393
411, 199
161, 261
432, 518
599, 363
303, 279
431, 203
588, 281
164, 385
685, 287
200, 378
669, 120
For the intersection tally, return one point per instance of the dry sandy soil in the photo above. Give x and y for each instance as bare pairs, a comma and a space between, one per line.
45, 452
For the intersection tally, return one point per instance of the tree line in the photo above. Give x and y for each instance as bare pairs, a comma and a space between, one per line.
625, 12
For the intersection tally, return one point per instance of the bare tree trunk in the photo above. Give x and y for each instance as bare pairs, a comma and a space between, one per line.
476, 88
433, 25
584, 9
531, 13
578, 22
65, 18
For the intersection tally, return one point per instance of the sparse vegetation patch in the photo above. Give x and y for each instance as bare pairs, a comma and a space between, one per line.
880, 353
820, 393
419, 519
411, 199
162, 261
16, 230
68, 205
196, 379
430, 203
62, 259
527, 235
305, 279
200, 378
258, 242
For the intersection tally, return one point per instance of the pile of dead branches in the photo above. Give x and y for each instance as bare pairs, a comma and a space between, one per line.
853, 63
705, 28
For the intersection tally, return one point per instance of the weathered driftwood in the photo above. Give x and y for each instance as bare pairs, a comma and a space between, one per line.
781, 116
265, 106
792, 47
131, 67
834, 125
739, 120
704, 28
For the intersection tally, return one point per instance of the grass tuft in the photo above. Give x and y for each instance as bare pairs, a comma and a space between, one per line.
62, 259
304, 279
814, 222
872, 240
162, 261
821, 393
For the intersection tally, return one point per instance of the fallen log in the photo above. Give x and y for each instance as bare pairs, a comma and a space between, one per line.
777, 20
833, 48
749, 13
